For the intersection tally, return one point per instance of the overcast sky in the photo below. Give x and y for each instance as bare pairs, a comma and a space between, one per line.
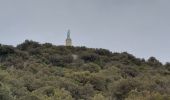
140, 27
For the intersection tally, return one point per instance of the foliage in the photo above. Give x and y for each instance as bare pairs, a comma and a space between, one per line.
34, 71
152, 61
92, 67
99, 97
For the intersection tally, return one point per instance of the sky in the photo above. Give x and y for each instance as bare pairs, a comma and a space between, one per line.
139, 27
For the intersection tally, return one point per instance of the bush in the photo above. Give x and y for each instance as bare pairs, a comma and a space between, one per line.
52, 93
5, 50
99, 97
30, 97
98, 82
80, 77
33, 71
62, 94
89, 57
167, 66
129, 71
86, 92
124, 87
92, 67
152, 61
58, 60
146, 95
28, 45
5, 93
103, 52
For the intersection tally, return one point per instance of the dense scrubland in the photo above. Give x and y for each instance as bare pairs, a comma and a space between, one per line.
34, 71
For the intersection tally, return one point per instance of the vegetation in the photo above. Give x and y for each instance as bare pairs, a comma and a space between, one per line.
33, 71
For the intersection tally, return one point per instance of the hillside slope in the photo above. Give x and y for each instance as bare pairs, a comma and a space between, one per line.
33, 71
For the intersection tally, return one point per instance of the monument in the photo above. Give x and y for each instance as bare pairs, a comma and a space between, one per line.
68, 40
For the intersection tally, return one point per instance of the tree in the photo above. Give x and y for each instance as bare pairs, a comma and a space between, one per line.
28, 45
103, 52
5, 50
152, 61
167, 66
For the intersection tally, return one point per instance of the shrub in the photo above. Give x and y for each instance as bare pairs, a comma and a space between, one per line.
89, 57
58, 60
152, 61
129, 71
167, 66
98, 82
124, 87
81, 77
5, 93
99, 97
146, 95
5, 50
30, 97
92, 67
28, 45
103, 52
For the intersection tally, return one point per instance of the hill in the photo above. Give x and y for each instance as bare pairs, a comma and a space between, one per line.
34, 71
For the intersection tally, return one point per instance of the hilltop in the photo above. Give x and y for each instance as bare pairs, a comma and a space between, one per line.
34, 71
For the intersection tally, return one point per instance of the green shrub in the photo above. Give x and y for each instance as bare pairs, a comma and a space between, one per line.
5, 50
89, 57
28, 45
92, 67
124, 87
30, 97
152, 61
5, 93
